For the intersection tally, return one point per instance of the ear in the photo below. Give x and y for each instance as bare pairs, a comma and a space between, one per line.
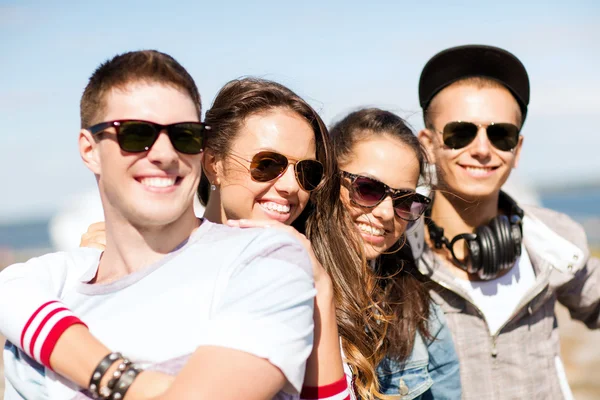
517, 151
88, 150
211, 166
428, 141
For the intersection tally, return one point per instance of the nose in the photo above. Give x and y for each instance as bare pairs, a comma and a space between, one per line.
384, 211
287, 182
162, 152
481, 146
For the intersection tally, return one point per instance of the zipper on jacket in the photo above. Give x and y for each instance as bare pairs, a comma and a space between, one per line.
494, 351
533, 295
518, 309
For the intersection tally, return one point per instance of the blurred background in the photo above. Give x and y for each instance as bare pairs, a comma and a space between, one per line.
339, 55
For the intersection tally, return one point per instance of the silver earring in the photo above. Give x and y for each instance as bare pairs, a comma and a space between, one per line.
213, 187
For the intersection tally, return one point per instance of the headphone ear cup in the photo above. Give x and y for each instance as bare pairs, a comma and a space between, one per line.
510, 207
497, 239
516, 237
502, 230
474, 255
489, 248
507, 228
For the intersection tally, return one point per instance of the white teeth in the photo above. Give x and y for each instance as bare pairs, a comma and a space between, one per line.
158, 182
370, 229
478, 170
280, 208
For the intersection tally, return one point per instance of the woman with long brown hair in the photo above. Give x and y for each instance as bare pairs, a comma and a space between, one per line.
258, 167
381, 162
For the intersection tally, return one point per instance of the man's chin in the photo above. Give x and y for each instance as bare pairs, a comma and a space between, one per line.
156, 218
476, 194
470, 189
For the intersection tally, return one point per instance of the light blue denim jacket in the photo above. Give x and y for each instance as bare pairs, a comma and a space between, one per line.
431, 371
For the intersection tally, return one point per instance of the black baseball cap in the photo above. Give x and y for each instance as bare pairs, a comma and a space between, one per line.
453, 64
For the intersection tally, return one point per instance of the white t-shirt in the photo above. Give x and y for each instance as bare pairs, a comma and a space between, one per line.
498, 298
249, 290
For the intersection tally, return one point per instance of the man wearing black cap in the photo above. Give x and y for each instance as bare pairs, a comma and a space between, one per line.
500, 267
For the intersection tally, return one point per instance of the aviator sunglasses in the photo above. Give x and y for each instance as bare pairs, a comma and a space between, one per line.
136, 136
459, 134
269, 165
368, 192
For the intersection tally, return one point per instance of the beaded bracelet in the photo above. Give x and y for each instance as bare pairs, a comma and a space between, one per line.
124, 382
100, 371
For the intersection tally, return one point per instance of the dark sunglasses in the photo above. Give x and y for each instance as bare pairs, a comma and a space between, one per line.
136, 136
368, 192
269, 165
459, 134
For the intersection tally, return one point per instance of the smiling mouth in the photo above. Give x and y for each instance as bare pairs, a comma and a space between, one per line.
159, 182
370, 229
283, 209
479, 171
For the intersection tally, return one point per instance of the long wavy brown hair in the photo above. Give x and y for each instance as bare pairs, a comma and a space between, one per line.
324, 221
403, 295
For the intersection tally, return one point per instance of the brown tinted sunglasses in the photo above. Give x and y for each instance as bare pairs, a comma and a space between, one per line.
269, 165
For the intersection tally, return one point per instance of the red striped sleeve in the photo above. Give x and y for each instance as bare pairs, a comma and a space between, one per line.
44, 328
41, 326
54, 335
31, 319
334, 391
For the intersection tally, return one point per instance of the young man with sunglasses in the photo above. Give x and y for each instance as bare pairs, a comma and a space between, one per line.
499, 267
235, 306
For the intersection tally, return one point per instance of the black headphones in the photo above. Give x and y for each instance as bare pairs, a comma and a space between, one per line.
493, 247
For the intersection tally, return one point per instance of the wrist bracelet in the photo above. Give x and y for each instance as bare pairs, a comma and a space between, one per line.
124, 382
106, 391
100, 371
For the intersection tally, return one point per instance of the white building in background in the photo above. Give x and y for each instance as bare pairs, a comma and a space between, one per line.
82, 210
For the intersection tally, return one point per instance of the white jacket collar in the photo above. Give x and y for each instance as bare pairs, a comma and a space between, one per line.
563, 255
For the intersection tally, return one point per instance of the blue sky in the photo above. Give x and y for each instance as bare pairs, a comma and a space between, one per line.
339, 55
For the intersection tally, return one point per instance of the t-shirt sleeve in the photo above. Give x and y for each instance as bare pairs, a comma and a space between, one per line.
266, 306
32, 316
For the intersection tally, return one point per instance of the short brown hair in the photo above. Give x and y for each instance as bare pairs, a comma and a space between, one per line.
149, 66
479, 82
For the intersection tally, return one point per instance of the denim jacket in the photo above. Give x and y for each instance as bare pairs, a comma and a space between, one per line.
431, 371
